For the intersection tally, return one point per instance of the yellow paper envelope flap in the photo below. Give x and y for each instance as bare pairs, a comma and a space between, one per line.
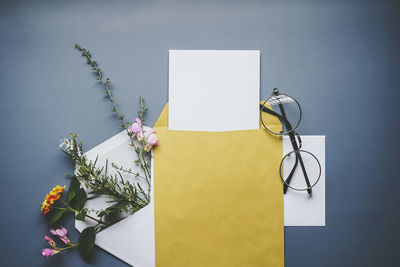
162, 120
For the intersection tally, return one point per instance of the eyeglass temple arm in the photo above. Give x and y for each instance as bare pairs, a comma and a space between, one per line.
294, 145
289, 178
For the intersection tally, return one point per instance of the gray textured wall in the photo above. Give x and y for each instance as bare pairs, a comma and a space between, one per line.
340, 59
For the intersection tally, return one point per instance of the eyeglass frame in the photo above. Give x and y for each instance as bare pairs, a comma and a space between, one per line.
297, 148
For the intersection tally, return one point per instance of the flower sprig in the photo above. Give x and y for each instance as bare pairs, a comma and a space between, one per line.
126, 197
75, 202
55, 206
148, 138
61, 233
142, 159
51, 197
135, 131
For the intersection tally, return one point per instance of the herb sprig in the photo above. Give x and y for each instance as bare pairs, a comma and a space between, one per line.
125, 196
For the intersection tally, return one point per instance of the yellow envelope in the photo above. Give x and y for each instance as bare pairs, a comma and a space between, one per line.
218, 198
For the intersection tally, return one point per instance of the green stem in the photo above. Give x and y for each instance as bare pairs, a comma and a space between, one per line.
129, 171
77, 211
141, 153
70, 246
142, 165
58, 208
120, 116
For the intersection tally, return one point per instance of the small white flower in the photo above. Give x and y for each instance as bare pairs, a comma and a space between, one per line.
78, 152
63, 142
68, 144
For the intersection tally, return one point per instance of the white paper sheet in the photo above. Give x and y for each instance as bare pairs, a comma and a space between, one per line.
299, 208
214, 90
131, 239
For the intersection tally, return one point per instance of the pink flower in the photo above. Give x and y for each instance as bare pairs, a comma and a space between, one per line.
140, 136
136, 128
48, 252
138, 121
50, 241
148, 137
62, 234
151, 140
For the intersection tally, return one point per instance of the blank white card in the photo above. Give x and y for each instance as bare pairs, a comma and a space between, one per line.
214, 90
299, 208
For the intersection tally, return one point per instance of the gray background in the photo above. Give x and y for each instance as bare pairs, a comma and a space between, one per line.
340, 59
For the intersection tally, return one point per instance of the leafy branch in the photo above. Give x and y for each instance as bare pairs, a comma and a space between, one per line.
142, 156
126, 196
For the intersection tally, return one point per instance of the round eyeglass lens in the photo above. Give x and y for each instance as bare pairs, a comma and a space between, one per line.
294, 175
283, 114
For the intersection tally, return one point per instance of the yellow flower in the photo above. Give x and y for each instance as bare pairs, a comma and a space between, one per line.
51, 197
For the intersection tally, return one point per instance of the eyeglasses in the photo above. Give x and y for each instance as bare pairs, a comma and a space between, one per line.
278, 114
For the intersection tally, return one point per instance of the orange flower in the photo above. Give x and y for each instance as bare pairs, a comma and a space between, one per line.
51, 197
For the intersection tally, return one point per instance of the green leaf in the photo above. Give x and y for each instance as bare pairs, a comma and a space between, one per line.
120, 207
86, 242
74, 187
56, 216
79, 200
71, 195
81, 215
